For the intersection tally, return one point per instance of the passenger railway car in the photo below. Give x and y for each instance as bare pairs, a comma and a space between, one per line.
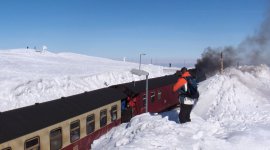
74, 122
160, 95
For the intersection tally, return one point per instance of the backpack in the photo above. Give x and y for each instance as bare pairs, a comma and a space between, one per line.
192, 88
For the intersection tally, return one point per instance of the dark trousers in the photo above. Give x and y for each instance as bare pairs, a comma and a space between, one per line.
184, 115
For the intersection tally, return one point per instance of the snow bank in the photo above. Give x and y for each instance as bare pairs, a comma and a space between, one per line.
233, 112
240, 95
29, 77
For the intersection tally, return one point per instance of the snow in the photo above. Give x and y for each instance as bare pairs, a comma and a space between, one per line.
28, 77
233, 112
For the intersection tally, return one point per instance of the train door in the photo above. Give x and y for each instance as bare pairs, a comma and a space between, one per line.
126, 111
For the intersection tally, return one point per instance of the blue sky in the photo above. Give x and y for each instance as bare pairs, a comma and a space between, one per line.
166, 30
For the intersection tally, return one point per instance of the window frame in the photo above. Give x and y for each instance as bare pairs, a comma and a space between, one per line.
90, 122
76, 128
153, 95
53, 130
101, 118
144, 100
114, 112
159, 95
36, 137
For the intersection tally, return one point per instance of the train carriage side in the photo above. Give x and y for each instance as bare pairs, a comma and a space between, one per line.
68, 123
160, 97
74, 122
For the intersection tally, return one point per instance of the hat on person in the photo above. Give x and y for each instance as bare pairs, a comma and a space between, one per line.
183, 70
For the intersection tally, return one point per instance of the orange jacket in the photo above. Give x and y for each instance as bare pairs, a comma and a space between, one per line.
181, 81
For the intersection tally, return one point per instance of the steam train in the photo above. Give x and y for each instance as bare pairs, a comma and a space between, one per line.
74, 122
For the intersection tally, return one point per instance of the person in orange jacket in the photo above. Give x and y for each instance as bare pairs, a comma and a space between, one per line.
186, 103
131, 102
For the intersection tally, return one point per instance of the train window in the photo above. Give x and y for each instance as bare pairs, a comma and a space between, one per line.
74, 131
103, 117
152, 97
32, 144
90, 124
7, 148
56, 139
159, 94
114, 112
144, 100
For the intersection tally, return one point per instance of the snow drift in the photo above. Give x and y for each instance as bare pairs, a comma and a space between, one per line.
28, 77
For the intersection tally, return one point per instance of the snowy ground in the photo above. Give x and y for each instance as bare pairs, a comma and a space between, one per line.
29, 77
233, 112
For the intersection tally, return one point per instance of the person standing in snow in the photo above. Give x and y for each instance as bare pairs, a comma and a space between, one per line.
186, 85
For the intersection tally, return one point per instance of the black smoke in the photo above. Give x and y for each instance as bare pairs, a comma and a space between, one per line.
210, 61
254, 50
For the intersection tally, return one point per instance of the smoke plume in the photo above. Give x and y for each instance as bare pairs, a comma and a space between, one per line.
253, 50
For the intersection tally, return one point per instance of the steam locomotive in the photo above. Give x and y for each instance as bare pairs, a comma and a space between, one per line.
74, 122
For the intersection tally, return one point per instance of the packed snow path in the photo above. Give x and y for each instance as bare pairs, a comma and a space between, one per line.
233, 112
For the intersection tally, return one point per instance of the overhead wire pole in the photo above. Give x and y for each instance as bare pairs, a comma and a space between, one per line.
141, 60
221, 63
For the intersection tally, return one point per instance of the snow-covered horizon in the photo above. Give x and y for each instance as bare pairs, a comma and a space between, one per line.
28, 77
233, 112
